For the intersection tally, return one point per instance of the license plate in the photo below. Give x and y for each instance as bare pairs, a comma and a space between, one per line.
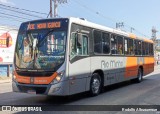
31, 91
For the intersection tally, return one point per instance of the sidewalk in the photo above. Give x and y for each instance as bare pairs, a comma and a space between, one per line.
4, 79
156, 67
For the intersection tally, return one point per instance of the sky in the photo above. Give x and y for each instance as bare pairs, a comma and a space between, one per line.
142, 15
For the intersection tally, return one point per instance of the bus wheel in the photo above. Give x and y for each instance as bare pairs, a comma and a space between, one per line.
140, 74
95, 84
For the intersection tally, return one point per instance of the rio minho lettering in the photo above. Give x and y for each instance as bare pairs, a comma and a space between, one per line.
111, 64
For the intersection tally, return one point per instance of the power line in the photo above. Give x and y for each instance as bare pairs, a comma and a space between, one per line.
94, 11
13, 26
14, 16
10, 18
100, 14
5, 28
136, 30
24, 9
21, 12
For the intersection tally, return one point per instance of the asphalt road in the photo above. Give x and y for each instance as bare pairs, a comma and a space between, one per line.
145, 93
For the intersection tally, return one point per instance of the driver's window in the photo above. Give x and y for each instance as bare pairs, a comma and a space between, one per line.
78, 45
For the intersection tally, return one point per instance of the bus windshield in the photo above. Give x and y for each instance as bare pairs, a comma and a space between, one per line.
40, 49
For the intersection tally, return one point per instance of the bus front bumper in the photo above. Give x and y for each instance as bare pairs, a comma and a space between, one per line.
59, 89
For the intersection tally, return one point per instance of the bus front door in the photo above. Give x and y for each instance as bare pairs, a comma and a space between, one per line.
79, 65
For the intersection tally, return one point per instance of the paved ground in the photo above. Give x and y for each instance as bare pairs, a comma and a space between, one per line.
5, 79
145, 93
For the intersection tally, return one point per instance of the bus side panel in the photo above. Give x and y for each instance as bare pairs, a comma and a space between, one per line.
131, 67
148, 65
79, 71
113, 68
151, 64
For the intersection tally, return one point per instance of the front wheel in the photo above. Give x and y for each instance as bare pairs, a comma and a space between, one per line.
95, 84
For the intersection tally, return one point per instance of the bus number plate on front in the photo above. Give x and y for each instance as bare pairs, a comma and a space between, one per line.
31, 91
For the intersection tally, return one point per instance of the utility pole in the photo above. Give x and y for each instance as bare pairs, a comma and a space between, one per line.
154, 37
55, 8
50, 9
119, 25
56, 2
154, 31
132, 29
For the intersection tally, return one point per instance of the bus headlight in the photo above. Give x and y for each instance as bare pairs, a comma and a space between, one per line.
58, 77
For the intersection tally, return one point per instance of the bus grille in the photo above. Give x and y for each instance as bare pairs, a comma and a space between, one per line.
39, 90
34, 74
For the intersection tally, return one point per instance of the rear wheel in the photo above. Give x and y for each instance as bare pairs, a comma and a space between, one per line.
140, 75
95, 84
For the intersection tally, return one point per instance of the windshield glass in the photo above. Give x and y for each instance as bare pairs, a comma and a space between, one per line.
40, 49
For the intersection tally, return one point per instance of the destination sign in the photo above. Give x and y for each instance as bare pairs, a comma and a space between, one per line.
44, 25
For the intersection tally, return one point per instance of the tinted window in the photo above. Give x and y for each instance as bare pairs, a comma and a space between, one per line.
97, 42
105, 43
138, 45
129, 46
151, 49
78, 44
101, 42
113, 44
120, 45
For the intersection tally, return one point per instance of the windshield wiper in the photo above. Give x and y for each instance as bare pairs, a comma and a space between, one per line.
45, 36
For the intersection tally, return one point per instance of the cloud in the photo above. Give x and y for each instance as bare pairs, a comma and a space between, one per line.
6, 2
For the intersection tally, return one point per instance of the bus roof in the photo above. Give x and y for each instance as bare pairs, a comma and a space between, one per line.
104, 28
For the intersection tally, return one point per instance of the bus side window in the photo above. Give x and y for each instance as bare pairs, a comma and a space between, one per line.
113, 44
105, 43
147, 48
131, 52
143, 48
128, 46
120, 45
85, 45
136, 47
97, 42
78, 44
73, 50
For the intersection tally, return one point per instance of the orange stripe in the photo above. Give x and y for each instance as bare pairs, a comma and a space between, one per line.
45, 80
147, 40
132, 36
131, 66
22, 79
37, 80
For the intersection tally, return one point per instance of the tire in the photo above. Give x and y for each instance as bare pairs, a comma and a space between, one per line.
140, 76
95, 84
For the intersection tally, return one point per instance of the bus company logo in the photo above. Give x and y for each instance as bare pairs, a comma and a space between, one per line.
32, 80
111, 64
5, 40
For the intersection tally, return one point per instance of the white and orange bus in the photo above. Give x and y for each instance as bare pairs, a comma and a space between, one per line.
65, 56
